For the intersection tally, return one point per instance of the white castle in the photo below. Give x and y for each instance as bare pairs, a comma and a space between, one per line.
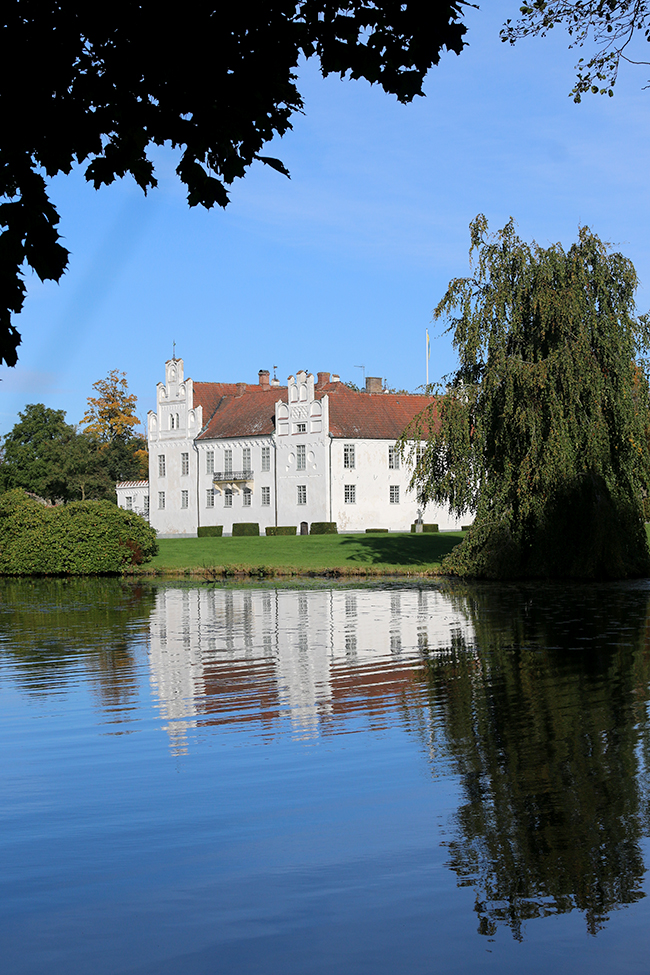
314, 450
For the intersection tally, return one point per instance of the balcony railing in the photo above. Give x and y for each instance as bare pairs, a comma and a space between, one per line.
233, 476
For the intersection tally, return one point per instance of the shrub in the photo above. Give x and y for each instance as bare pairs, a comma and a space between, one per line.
81, 538
323, 528
245, 528
282, 530
210, 531
426, 528
376, 531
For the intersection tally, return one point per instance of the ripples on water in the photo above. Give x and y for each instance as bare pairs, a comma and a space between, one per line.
330, 778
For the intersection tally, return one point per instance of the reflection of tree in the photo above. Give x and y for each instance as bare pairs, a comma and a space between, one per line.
51, 625
542, 721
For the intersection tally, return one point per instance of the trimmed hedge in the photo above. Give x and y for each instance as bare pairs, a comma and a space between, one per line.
376, 531
80, 538
281, 530
245, 528
210, 531
323, 528
425, 528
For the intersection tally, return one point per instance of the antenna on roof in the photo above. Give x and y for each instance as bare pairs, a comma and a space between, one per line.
363, 370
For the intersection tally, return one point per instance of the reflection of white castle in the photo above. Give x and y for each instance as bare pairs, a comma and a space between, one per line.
237, 654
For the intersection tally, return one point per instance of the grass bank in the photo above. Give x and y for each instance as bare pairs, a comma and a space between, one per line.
306, 555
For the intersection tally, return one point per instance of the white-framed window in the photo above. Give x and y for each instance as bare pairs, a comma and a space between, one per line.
301, 428
266, 458
146, 505
301, 457
302, 494
129, 504
266, 496
209, 498
394, 494
178, 422
246, 459
348, 456
227, 461
185, 463
162, 467
185, 498
227, 498
393, 458
248, 494
350, 493
161, 499
171, 421
209, 462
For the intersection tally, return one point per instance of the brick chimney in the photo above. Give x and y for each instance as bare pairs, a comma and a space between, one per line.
374, 384
323, 378
241, 389
264, 378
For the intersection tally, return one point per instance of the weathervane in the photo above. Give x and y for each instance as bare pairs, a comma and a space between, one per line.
174, 351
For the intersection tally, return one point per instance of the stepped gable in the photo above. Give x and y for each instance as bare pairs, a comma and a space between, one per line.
371, 416
238, 410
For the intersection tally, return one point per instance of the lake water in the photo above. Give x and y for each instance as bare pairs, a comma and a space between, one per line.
425, 778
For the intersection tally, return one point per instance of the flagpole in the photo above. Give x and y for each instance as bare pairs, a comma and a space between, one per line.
427, 355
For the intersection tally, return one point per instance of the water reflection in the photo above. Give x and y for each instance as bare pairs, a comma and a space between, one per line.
545, 715
230, 655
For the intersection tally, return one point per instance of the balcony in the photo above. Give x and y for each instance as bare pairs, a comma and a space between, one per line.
234, 480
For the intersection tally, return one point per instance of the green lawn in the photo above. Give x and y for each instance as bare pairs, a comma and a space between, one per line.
306, 553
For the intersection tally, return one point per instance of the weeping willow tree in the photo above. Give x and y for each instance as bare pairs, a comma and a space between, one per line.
543, 432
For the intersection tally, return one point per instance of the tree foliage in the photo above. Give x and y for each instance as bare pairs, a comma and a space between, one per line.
111, 415
543, 431
99, 85
611, 25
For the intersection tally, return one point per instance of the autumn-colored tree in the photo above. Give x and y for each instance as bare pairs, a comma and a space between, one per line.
111, 415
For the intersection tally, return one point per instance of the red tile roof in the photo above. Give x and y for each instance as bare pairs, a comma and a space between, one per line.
227, 412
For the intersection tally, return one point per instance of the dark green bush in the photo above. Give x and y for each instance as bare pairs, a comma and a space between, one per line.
281, 530
323, 528
210, 531
81, 538
245, 528
426, 528
376, 531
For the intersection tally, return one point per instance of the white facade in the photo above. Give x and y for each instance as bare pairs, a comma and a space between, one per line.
133, 496
285, 462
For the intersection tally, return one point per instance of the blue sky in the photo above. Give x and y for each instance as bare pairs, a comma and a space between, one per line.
342, 265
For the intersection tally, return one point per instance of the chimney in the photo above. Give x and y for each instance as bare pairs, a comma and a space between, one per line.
336, 378
275, 381
264, 378
241, 389
374, 384
323, 378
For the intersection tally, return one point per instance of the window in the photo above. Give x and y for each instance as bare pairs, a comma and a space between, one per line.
301, 457
302, 494
171, 421
393, 458
185, 495
246, 459
301, 428
227, 498
178, 422
161, 465
394, 494
129, 504
209, 462
266, 458
146, 505
227, 461
161, 499
266, 496
350, 493
348, 456
185, 463
209, 498
247, 497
